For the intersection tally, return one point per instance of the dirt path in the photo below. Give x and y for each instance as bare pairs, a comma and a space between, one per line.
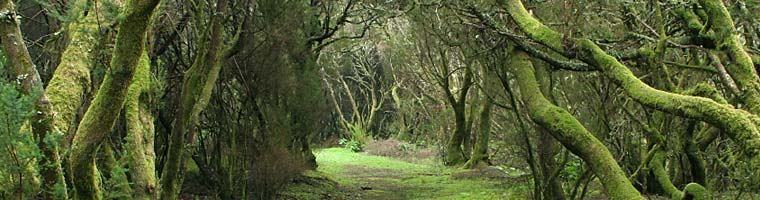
361, 176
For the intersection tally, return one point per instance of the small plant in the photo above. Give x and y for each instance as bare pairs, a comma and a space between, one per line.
572, 170
353, 145
408, 147
359, 137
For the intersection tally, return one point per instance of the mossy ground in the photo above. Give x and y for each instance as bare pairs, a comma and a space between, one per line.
343, 174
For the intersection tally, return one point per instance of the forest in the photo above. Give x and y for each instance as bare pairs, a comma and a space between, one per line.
379, 99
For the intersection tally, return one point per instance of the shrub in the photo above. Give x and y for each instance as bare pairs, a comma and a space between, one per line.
388, 147
271, 171
353, 145
18, 176
399, 149
359, 137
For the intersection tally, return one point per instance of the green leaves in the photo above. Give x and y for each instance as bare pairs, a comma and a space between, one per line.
18, 151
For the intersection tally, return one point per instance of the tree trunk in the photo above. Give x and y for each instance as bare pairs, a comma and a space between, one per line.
71, 79
101, 116
140, 132
565, 128
469, 138
480, 154
547, 146
197, 85
454, 154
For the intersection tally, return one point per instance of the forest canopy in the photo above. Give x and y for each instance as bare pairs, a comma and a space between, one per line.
379, 99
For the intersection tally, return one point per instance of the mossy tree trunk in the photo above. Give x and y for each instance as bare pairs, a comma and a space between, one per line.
739, 64
566, 129
197, 84
480, 155
454, 152
140, 133
101, 116
26, 75
71, 80
548, 147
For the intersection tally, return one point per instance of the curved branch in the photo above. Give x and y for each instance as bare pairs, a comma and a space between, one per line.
569, 131
740, 124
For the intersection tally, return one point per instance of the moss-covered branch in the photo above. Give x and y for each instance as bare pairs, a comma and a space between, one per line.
739, 124
101, 116
569, 131
740, 66
691, 191
755, 59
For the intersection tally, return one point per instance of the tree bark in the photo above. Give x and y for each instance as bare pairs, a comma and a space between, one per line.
547, 146
692, 190
480, 155
101, 116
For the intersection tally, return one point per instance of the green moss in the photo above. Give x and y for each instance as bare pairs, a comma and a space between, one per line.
140, 133
312, 185
535, 29
707, 91
695, 191
661, 176
740, 125
72, 76
755, 59
741, 66
454, 153
691, 19
737, 123
109, 100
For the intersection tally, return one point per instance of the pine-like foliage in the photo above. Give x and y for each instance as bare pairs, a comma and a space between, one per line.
18, 152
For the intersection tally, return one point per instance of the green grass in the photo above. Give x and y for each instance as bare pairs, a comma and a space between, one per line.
375, 177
